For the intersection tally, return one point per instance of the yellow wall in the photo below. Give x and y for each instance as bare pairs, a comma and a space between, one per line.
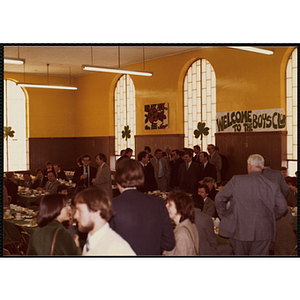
51, 112
245, 81
94, 106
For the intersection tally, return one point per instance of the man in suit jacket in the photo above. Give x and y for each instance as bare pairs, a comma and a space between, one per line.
225, 164
276, 176
197, 150
141, 219
59, 173
208, 241
51, 185
209, 205
256, 203
175, 162
40, 180
84, 175
293, 196
210, 182
150, 183
127, 154
27, 180
216, 160
12, 187
188, 174
206, 168
286, 240
103, 176
161, 170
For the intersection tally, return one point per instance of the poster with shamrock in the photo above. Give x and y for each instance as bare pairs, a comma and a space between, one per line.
157, 116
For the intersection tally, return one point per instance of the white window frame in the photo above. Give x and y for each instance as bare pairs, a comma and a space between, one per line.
124, 113
292, 111
15, 115
199, 103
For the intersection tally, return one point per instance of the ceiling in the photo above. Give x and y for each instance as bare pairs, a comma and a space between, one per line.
67, 60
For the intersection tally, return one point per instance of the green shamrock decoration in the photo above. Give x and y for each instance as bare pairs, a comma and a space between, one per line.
8, 132
126, 133
202, 130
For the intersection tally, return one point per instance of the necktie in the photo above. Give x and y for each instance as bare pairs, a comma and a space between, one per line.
86, 179
88, 176
186, 166
87, 245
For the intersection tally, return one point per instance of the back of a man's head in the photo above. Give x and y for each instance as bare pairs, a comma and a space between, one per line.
256, 161
129, 173
267, 162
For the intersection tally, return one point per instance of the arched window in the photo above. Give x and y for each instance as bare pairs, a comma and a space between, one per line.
199, 103
291, 111
15, 148
124, 113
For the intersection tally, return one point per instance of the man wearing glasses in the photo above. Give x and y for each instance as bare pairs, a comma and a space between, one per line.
84, 175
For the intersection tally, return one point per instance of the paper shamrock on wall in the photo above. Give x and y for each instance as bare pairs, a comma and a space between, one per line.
126, 133
202, 130
8, 132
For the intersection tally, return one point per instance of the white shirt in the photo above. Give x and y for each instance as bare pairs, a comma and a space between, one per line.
105, 241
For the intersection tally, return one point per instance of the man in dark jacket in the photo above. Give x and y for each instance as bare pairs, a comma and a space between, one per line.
206, 168
12, 187
150, 183
141, 219
188, 174
175, 162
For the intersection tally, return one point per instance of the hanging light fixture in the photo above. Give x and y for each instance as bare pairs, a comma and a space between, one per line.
14, 61
93, 68
254, 49
46, 86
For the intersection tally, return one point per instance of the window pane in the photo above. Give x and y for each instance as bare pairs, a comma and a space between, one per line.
198, 102
15, 148
124, 112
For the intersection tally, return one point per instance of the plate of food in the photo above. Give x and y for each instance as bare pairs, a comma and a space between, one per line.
31, 224
8, 217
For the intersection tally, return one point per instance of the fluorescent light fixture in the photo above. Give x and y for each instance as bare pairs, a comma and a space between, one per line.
254, 49
115, 70
14, 61
46, 86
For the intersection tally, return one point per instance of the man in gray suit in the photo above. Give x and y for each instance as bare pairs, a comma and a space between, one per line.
103, 176
216, 160
161, 170
256, 203
275, 176
208, 241
52, 184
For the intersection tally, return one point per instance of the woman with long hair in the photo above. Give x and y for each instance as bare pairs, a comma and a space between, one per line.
181, 211
51, 237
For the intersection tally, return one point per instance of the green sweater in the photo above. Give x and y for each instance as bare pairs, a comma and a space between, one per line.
41, 241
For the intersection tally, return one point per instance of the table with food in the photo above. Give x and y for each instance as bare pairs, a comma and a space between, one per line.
22, 216
27, 197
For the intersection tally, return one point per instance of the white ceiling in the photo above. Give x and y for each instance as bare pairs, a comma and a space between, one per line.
64, 60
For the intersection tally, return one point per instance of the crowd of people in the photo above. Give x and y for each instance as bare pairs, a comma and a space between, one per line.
253, 208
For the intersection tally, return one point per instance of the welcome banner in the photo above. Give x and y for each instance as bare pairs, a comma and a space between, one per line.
251, 120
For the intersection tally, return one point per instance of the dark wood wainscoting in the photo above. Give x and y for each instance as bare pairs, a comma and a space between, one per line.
65, 151
175, 141
95, 145
238, 146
